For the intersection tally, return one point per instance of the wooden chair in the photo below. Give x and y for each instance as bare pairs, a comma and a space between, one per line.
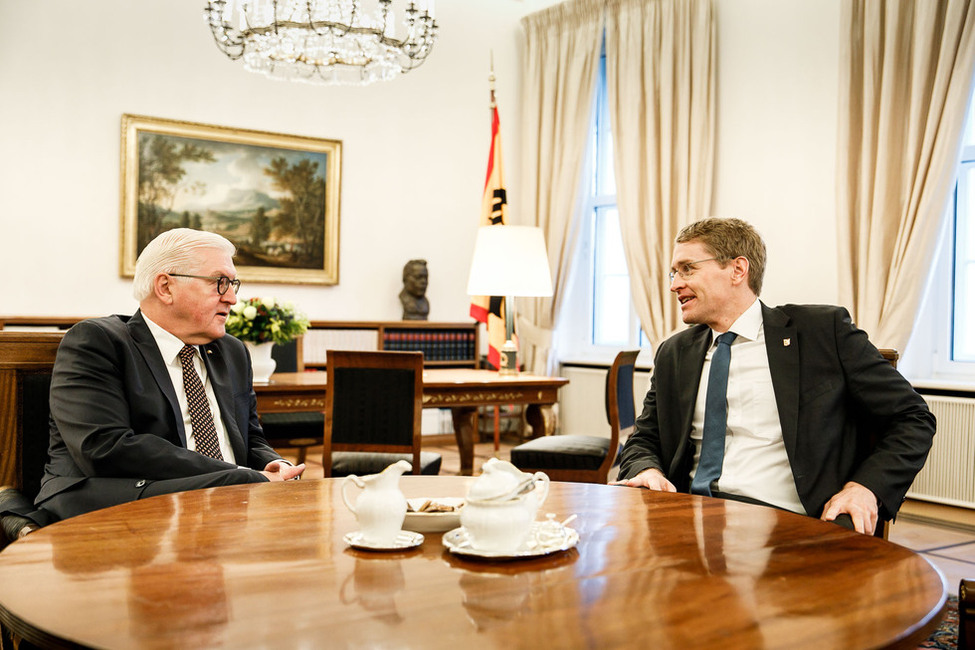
966, 613
26, 363
582, 458
883, 527
372, 413
292, 430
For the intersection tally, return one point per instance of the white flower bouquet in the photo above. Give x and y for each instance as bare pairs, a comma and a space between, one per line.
260, 320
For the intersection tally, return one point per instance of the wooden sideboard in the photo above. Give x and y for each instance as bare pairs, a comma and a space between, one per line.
39, 322
26, 360
444, 345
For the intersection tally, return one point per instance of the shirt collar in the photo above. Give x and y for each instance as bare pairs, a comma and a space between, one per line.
169, 345
748, 324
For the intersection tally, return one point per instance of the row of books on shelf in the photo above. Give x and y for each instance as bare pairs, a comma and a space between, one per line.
436, 345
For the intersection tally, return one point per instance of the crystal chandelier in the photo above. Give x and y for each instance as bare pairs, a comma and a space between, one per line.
323, 41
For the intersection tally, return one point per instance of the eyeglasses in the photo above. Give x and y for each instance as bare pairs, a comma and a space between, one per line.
223, 282
687, 269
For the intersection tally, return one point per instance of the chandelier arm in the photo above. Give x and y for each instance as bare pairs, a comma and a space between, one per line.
323, 26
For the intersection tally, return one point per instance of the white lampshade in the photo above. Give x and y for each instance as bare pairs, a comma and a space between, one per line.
509, 261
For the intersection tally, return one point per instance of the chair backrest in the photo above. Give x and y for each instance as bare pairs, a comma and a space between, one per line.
883, 527
891, 355
374, 403
288, 357
26, 363
620, 408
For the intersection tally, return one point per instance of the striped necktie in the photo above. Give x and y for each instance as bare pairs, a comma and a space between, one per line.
201, 419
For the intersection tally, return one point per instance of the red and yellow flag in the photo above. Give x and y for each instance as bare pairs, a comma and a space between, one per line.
494, 211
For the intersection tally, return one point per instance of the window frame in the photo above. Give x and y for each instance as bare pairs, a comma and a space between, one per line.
576, 334
928, 358
963, 256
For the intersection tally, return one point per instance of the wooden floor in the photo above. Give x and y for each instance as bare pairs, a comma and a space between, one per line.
942, 534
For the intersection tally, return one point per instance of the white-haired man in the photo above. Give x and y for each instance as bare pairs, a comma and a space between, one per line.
160, 401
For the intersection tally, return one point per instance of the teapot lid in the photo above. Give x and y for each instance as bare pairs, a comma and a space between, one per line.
499, 479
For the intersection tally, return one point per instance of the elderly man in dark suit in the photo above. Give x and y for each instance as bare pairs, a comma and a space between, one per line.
161, 401
813, 420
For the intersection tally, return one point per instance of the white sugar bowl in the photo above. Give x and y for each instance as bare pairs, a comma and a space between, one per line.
501, 506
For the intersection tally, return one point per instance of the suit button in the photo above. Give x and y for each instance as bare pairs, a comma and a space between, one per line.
140, 483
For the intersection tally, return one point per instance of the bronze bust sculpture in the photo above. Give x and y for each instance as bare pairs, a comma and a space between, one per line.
415, 304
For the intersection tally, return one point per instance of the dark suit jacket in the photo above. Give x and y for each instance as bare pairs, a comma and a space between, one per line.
114, 412
846, 413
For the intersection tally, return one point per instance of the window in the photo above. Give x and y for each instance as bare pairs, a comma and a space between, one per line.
963, 285
941, 351
598, 315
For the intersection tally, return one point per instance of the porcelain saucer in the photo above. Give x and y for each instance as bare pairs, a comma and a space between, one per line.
458, 541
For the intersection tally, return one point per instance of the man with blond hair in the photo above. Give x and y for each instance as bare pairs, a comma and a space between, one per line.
161, 401
809, 417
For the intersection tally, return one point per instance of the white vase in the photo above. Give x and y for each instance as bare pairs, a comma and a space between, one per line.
261, 362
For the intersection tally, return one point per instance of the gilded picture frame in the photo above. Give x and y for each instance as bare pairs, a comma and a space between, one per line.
275, 196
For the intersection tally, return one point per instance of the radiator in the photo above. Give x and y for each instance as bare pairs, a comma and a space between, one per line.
948, 475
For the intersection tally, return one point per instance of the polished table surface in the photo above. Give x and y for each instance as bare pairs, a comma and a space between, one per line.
462, 390
266, 566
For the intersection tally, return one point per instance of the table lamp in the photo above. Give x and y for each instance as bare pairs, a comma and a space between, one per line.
509, 261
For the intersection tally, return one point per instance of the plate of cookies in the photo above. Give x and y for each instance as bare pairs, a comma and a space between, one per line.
432, 515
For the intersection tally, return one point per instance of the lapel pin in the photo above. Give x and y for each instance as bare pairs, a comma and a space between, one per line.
786, 342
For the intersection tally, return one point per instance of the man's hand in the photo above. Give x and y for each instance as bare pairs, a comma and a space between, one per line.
858, 502
279, 471
651, 478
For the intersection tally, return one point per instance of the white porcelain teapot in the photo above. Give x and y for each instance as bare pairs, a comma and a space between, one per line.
381, 508
501, 506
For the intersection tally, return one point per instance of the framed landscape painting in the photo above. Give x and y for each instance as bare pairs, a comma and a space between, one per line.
275, 196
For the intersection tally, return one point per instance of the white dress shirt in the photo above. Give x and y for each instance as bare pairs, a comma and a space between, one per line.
169, 347
756, 464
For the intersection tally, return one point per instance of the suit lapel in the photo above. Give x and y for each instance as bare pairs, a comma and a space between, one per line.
147, 347
782, 346
223, 390
689, 366
690, 363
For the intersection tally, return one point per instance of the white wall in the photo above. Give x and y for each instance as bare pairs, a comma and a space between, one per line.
414, 148
778, 88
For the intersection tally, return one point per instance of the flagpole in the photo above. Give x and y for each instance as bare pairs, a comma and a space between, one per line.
491, 85
509, 350
497, 407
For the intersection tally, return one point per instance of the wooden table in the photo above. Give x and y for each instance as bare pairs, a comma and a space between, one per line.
459, 389
265, 566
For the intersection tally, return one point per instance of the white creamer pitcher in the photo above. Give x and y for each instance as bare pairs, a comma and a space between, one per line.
381, 507
501, 506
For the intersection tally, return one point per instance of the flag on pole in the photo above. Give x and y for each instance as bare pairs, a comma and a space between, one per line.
494, 211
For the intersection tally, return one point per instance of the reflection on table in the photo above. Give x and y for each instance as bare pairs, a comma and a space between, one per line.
265, 565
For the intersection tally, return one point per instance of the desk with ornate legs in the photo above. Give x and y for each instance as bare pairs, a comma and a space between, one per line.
460, 390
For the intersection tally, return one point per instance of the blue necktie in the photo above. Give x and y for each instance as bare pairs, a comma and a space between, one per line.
715, 418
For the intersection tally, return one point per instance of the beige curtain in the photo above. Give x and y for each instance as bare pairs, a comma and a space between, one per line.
660, 78
561, 61
905, 82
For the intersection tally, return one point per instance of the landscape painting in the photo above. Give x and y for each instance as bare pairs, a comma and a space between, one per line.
275, 196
